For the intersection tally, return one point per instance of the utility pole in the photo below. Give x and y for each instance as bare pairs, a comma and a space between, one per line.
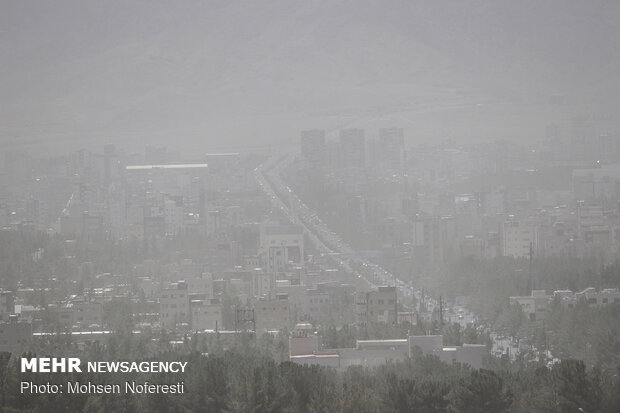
422, 304
531, 280
440, 312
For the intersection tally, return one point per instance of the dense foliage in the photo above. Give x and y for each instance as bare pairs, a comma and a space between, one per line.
244, 380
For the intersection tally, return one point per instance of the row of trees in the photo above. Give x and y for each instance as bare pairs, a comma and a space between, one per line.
243, 380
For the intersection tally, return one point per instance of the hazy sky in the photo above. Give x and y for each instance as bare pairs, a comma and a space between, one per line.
222, 74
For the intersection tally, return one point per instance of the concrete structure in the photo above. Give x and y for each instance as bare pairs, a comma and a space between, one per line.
206, 314
392, 147
202, 284
590, 296
534, 306
426, 344
315, 303
433, 239
154, 226
313, 148
78, 314
272, 314
304, 347
599, 298
303, 340
173, 216
472, 354
174, 305
281, 246
595, 183
376, 306
263, 283
516, 238
326, 360
352, 148
371, 353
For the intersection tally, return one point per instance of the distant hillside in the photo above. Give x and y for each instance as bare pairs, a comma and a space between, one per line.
207, 72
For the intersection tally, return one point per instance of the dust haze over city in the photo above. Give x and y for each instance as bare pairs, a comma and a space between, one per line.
338, 206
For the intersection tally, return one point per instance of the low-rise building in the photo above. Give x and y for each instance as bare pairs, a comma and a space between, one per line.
471, 354
305, 348
206, 314
534, 306
376, 306
315, 304
590, 296
272, 314
303, 340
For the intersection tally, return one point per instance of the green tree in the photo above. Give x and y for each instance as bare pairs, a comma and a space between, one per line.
482, 392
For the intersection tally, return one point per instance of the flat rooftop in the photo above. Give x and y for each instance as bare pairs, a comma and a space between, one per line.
166, 166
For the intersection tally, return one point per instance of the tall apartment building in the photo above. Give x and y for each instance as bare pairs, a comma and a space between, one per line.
392, 146
352, 147
173, 216
516, 237
313, 147
281, 246
174, 305
433, 239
